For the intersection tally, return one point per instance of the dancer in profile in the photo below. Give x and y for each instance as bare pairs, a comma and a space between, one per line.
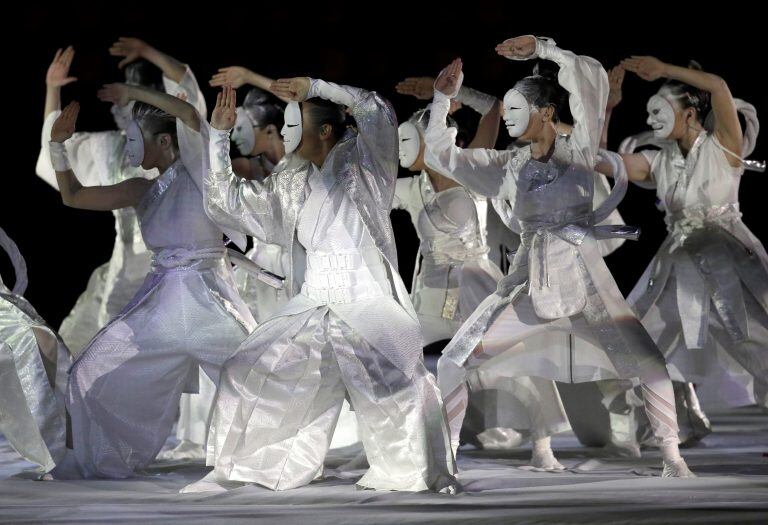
125, 387
350, 329
558, 280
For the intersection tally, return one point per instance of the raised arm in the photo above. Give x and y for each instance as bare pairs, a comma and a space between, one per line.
376, 124
132, 49
237, 76
57, 77
615, 81
488, 106
230, 201
479, 169
122, 94
74, 194
727, 127
585, 80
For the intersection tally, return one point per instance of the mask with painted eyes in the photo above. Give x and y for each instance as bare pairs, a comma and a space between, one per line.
517, 113
134, 146
242, 134
410, 144
661, 116
292, 128
123, 115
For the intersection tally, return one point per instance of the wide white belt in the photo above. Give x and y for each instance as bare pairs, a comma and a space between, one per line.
345, 277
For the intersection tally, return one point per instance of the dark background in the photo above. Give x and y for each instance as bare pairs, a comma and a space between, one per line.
371, 45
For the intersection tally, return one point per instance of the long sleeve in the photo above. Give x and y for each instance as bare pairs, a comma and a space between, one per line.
481, 170
243, 205
377, 141
189, 87
477, 100
586, 81
404, 189
88, 154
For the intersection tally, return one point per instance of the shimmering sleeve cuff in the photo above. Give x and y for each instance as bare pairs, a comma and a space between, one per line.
480, 102
59, 157
218, 143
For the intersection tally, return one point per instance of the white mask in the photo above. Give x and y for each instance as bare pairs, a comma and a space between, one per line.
134, 145
661, 116
122, 115
410, 144
517, 113
243, 134
292, 129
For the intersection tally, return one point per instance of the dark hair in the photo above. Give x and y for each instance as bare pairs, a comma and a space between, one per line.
142, 73
542, 89
689, 96
154, 120
325, 112
420, 119
263, 108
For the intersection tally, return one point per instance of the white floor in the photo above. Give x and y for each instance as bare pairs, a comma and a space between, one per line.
732, 487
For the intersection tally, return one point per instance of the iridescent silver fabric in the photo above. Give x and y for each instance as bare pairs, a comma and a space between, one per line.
709, 279
33, 374
349, 326
558, 280
124, 389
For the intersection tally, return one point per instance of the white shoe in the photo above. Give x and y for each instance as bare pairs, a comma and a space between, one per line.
545, 460
677, 469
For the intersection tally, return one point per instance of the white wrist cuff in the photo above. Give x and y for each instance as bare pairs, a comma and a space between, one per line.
59, 157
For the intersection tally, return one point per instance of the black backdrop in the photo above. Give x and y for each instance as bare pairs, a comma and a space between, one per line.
369, 44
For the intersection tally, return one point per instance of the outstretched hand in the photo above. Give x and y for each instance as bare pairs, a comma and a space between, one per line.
58, 72
233, 75
647, 68
447, 81
129, 48
64, 125
225, 112
519, 47
293, 89
420, 87
615, 80
115, 93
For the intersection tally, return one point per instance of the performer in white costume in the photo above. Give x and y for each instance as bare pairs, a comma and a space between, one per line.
257, 137
704, 297
33, 373
125, 387
453, 276
350, 330
99, 158
558, 280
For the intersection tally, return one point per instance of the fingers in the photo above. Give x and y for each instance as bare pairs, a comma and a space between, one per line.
57, 55
67, 56
107, 93
219, 99
68, 80
218, 80
233, 100
284, 87
124, 62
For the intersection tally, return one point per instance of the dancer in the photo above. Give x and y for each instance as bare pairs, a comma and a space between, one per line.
558, 280
33, 373
704, 297
350, 330
256, 135
453, 276
124, 389
100, 158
